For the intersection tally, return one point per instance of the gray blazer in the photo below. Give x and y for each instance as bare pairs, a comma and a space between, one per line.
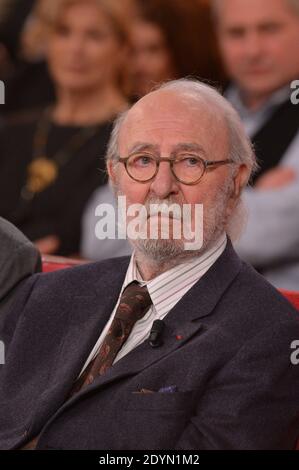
271, 238
226, 348
18, 259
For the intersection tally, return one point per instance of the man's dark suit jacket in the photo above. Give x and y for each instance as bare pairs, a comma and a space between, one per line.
18, 260
226, 348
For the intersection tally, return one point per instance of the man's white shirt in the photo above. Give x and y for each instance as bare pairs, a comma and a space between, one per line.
165, 290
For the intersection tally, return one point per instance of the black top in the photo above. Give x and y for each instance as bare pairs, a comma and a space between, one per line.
58, 209
29, 87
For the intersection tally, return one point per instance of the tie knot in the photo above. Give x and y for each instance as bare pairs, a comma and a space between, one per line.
134, 303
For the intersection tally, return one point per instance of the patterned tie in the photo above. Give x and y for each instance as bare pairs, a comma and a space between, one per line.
134, 303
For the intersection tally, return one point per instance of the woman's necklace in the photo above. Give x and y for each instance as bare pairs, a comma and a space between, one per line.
42, 171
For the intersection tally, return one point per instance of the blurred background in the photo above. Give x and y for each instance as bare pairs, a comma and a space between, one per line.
71, 66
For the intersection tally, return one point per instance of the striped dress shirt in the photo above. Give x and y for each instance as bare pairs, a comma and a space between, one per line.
165, 290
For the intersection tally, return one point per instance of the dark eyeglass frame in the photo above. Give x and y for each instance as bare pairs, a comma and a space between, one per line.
206, 163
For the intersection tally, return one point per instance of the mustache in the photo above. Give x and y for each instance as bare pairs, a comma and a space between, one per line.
173, 208
166, 208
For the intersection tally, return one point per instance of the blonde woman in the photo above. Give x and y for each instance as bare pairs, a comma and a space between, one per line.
51, 163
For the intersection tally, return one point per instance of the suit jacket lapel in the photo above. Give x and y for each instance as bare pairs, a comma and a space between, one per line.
87, 317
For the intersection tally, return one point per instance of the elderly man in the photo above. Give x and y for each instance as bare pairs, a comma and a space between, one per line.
18, 260
259, 44
174, 348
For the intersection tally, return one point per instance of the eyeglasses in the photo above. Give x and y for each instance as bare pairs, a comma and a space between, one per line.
187, 168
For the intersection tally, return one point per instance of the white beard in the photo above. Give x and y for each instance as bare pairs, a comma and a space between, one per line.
214, 225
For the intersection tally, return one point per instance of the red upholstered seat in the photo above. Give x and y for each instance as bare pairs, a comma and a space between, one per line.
293, 297
54, 263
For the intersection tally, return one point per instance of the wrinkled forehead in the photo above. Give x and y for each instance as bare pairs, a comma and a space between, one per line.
165, 120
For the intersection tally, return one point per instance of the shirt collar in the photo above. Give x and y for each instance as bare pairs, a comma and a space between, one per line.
198, 266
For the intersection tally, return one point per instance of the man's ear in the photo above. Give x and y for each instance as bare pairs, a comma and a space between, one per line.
111, 169
240, 180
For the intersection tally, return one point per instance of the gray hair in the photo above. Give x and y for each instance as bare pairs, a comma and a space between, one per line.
216, 5
241, 150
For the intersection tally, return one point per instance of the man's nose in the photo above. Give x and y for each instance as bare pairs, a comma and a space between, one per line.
164, 183
253, 44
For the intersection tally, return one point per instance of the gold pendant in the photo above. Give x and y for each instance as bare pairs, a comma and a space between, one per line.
42, 172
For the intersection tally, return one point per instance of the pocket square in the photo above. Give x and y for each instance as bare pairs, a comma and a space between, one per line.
169, 389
